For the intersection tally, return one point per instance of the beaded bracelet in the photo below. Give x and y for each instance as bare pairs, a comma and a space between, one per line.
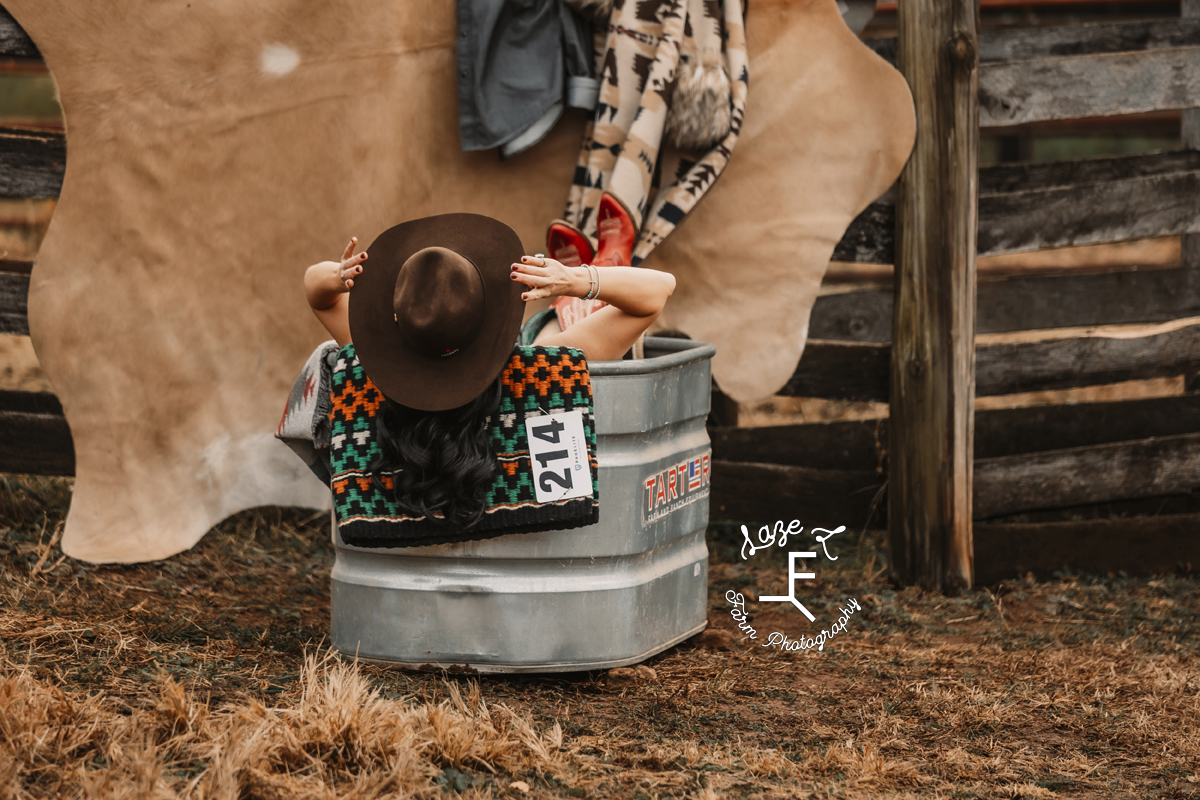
594, 280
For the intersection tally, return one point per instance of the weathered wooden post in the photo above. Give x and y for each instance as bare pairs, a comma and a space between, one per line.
1189, 135
933, 332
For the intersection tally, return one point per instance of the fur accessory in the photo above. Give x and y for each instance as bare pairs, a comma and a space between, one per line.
598, 10
701, 111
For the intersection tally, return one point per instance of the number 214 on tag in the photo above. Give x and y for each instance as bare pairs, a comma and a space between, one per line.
558, 454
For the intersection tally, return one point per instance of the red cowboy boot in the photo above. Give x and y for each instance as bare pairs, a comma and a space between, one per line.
568, 244
615, 231
572, 247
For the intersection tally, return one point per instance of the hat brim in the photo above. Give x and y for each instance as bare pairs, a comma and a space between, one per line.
393, 365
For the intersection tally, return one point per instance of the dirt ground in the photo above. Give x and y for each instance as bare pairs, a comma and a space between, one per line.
208, 675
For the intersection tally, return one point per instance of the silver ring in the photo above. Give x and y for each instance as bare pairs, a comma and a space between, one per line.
538, 255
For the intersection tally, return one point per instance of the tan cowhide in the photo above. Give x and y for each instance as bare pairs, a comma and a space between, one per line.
216, 148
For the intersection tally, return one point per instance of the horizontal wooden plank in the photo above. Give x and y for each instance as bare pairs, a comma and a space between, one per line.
1069, 301
34, 436
1021, 204
841, 370
30, 403
1027, 303
38, 444
1002, 179
1034, 207
857, 371
857, 446
1136, 546
1065, 363
1102, 473
1095, 38
1035, 429
14, 41
763, 493
1075, 87
14, 291
1080, 71
862, 316
16, 265
31, 163
871, 237
862, 445
1038, 206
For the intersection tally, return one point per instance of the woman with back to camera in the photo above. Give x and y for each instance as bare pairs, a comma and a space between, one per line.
432, 316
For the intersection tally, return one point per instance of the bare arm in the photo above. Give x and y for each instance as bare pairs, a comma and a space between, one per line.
326, 285
635, 297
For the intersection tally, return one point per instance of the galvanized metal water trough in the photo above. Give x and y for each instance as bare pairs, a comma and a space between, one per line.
604, 596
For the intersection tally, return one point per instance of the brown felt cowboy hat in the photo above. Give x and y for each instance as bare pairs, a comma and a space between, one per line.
435, 314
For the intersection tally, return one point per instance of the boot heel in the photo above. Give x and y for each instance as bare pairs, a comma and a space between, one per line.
615, 231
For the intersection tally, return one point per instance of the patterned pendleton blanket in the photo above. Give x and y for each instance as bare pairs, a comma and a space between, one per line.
656, 71
305, 423
535, 381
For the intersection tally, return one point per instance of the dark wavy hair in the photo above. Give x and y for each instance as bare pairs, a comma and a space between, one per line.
442, 461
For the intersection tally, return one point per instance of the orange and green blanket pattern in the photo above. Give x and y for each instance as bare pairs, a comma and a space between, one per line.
535, 381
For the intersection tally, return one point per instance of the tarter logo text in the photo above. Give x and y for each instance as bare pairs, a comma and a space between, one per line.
675, 487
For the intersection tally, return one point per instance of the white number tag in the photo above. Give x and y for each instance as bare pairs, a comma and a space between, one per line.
558, 454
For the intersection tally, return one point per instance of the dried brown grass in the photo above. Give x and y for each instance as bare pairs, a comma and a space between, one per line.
205, 676
334, 737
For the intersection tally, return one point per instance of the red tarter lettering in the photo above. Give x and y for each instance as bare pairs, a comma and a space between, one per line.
660, 496
650, 493
681, 471
671, 492
704, 471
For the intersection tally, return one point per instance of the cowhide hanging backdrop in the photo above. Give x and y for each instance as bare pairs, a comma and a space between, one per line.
216, 148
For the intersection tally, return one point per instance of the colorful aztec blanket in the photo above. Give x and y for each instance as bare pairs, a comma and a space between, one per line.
535, 381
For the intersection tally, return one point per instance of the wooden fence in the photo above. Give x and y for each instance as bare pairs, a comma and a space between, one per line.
1024, 459
1002, 462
